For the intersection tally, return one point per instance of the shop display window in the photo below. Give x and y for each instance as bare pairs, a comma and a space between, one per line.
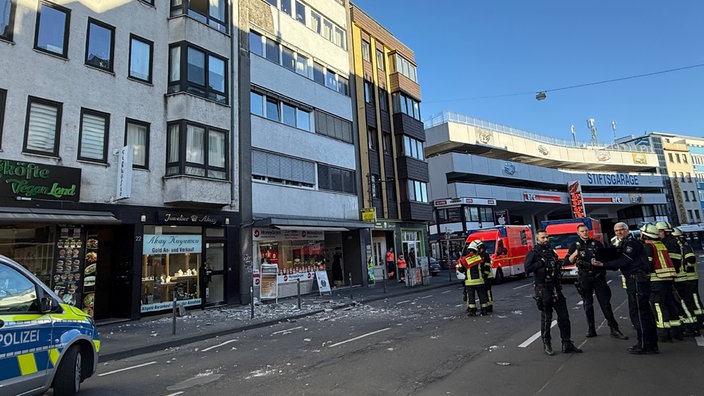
293, 256
32, 246
170, 267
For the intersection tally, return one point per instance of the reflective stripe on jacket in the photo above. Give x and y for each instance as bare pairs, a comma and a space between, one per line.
660, 262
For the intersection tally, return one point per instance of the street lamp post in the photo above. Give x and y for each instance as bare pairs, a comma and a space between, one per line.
448, 234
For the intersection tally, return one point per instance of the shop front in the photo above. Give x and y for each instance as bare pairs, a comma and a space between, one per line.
184, 257
308, 256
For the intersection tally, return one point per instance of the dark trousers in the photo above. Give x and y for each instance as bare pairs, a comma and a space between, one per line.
590, 285
640, 311
553, 299
390, 269
666, 311
689, 296
473, 292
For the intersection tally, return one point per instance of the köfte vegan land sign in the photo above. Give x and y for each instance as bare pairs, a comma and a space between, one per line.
32, 180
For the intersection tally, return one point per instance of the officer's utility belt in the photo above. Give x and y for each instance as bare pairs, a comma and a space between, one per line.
638, 276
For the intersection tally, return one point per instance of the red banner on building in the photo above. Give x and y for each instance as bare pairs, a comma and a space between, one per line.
576, 201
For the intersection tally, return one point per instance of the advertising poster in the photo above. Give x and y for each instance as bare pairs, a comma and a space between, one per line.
323, 283
269, 285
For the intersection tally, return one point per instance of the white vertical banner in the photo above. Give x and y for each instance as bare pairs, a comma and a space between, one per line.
124, 173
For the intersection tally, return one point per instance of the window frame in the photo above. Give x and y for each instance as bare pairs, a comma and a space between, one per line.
54, 151
7, 34
67, 25
366, 50
150, 44
183, 7
181, 80
181, 164
106, 135
111, 60
147, 126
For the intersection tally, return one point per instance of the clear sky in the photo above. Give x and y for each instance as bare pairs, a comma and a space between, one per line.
488, 58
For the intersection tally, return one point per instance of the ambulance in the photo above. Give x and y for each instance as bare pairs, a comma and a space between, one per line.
563, 233
44, 343
507, 246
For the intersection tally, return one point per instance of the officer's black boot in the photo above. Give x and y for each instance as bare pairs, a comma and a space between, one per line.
616, 333
569, 347
591, 331
547, 347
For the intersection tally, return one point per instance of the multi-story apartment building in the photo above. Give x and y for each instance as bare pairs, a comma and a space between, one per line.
304, 167
118, 186
485, 174
394, 172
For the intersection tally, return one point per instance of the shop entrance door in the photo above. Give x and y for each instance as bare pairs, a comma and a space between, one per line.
379, 256
215, 259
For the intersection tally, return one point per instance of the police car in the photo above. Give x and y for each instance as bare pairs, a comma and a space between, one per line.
43, 342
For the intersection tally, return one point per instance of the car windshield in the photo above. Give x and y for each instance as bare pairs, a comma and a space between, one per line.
490, 246
563, 241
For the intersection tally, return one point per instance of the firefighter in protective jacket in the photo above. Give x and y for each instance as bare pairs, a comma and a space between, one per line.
471, 264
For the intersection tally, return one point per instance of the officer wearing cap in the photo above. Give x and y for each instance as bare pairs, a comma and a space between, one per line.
633, 264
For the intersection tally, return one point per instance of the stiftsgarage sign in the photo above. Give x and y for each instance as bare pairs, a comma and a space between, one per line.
39, 181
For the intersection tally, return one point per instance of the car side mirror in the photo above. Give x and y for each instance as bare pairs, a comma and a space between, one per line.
46, 304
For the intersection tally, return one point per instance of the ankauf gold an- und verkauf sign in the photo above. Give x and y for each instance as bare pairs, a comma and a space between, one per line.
30, 180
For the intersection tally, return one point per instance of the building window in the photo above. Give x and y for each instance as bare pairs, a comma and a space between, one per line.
696, 214
689, 177
7, 16
301, 12
366, 53
198, 72
403, 66
669, 156
686, 196
141, 52
100, 45
302, 65
336, 179
137, 136
406, 105
371, 138
150, 2
286, 6
694, 196
315, 22
413, 148
278, 169
679, 161
93, 136
256, 45
196, 150
684, 158
417, 191
369, 92
332, 126
42, 127
383, 100
210, 12
386, 141
288, 58
3, 99
280, 111
52, 29
272, 50
380, 64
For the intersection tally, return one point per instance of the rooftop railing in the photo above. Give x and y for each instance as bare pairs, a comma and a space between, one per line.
448, 116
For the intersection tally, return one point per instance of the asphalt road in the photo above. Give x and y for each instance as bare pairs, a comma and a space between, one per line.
420, 344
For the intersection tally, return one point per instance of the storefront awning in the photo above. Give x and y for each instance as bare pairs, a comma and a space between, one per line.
311, 224
28, 215
311, 228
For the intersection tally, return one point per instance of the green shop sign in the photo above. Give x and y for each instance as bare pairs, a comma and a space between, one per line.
39, 181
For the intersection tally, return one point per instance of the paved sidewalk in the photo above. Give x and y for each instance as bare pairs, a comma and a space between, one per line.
155, 333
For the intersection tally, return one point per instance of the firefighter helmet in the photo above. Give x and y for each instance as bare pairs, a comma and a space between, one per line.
677, 232
475, 245
663, 225
650, 231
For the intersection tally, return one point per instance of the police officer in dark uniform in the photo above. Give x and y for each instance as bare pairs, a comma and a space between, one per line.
634, 266
592, 280
543, 261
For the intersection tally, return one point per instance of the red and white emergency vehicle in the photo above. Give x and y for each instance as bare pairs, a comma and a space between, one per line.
563, 233
507, 246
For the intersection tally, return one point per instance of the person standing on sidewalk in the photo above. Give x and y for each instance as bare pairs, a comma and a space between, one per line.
633, 264
401, 264
544, 263
592, 280
390, 263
